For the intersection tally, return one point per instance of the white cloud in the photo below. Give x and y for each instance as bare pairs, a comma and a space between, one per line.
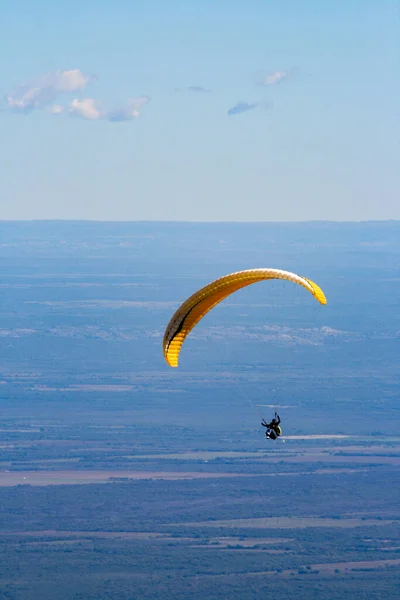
92, 110
275, 77
55, 109
88, 108
71, 81
45, 89
128, 112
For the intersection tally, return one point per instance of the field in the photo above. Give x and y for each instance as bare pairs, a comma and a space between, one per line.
122, 479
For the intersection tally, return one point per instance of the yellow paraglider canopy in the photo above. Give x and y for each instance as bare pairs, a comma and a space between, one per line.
202, 301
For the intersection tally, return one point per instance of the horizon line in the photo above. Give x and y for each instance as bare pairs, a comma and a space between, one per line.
192, 222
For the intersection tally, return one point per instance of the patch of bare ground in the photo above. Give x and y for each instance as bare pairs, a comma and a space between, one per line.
225, 542
42, 478
319, 437
217, 543
86, 387
303, 455
255, 550
326, 457
88, 534
289, 523
84, 477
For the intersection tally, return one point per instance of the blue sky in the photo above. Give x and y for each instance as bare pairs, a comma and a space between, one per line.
200, 110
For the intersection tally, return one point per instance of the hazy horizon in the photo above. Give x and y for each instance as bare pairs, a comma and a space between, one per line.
266, 222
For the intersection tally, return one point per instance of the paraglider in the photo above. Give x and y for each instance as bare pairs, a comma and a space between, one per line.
188, 315
201, 302
273, 430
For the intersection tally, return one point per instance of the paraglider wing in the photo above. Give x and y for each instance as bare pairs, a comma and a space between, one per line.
202, 301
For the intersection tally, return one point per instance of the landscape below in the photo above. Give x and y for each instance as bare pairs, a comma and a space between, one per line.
121, 478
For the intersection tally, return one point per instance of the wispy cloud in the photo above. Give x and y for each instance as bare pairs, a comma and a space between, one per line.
93, 110
128, 112
275, 77
88, 108
55, 109
45, 89
198, 89
241, 107
43, 93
